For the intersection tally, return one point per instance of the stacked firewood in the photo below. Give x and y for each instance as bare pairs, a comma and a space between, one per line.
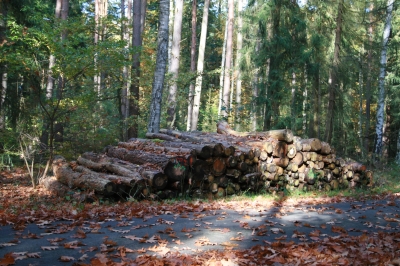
172, 163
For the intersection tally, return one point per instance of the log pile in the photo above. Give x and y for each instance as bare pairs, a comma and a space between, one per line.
172, 163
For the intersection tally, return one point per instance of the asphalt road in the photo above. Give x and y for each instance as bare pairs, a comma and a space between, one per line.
50, 242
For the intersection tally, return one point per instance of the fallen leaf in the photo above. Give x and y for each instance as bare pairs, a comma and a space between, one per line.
33, 255
83, 257
152, 239
66, 258
7, 260
49, 247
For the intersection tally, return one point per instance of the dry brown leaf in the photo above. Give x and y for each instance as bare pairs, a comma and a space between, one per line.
7, 260
66, 258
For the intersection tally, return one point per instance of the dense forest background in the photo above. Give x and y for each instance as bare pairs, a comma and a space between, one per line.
78, 75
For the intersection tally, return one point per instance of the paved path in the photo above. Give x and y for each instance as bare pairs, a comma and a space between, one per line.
44, 243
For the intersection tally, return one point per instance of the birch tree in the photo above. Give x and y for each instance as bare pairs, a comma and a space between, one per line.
52, 59
174, 67
192, 64
380, 112
159, 73
228, 58
200, 67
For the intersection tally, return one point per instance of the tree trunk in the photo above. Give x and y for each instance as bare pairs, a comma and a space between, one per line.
101, 7
134, 176
228, 58
3, 67
174, 67
134, 89
398, 150
192, 65
52, 59
222, 74
200, 67
239, 44
369, 83
334, 75
124, 110
382, 73
159, 74
84, 181
279, 134
3, 91
274, 80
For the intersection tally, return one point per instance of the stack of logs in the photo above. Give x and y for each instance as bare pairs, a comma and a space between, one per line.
172, 163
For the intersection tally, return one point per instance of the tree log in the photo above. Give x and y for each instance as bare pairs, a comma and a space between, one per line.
325, 148
161, 136
279, 134
177, 169
280, 150
112, 168
54, 186
312, 144
291, 151
84, 181
218, 166
139, 157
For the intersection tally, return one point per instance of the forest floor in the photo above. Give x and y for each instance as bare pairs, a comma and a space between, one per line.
37, 228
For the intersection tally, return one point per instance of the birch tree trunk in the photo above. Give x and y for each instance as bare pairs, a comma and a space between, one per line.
52, 59
192, 64
159, 73
171, 28
333, 85
228, 58
200, 67
174, 68
380, 113
238, 72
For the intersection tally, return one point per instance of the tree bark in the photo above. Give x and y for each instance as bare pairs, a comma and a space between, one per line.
159, 74
112, 168
124, 101
279, 134
101, 7
334, 74
200, 67
239, 44
134, 98
222, 74
174, 67
228, 58
380, 113
192, 65
85, 181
